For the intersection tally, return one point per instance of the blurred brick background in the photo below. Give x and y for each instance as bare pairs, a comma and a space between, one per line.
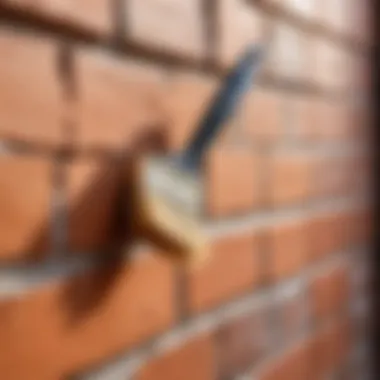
285, 293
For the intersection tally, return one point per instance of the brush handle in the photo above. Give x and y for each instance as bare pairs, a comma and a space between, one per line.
222, 108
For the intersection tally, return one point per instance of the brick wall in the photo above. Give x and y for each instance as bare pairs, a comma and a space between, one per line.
86, 87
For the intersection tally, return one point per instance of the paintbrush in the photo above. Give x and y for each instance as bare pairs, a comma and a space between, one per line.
170, 188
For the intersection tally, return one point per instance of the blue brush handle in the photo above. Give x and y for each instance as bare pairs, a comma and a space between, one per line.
225, 104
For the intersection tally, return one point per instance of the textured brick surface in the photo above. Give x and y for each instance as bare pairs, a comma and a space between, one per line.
331, 69
327, 235
288, 55
288, 179
242, 342
87, 90
25, 220
73, 323
167, 25
94, 16
92, 194
294, 364
117, 102
332, 346
30, 97
332, 176
229, 191
291, 313
361, 15
232, 269
187, 99
194, 360
306, 9
332, 121
361, 226
239, 24
302, 117
330, 294
335, 14
287, 246
263, 113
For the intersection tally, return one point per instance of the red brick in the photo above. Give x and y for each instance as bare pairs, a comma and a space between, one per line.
333, 343
289, 55
322, 76
232, 269
187, 98
167, 25
360, 16
331, 68
87, 14
351, 62
360, 226
239, 24
118, 102
341, 229
328, 234
305, 9
319, 352
317, 186
332, 176
352, 228
323, 178
288, 245
345, 79
241, 343
73, 323
319, 119
25, 196
264, 113
361, 327
343, 170
277, 4
30, 104
296, 363
361, 123
290, 314
317, 346
195, 359
308, 50
360, 75
366, 225
303, 117
288, 179
92, 192
360, 176
330, 293
233, 179
335, 14
332, 121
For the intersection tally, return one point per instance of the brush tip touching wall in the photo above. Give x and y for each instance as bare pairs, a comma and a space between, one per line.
168, 209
